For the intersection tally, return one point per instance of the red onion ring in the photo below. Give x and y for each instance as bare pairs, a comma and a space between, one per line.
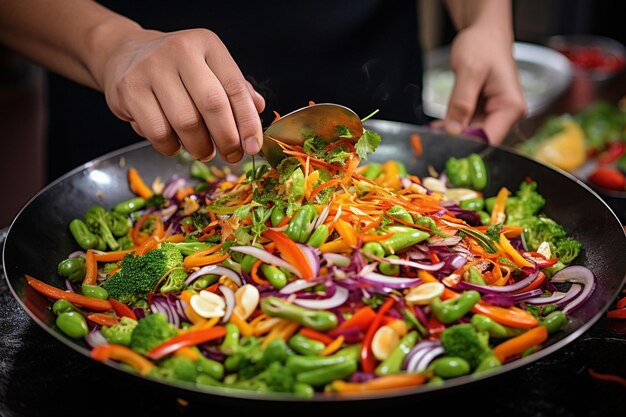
267, 257
464, 285
229, 297
339, 297
389, 282
215, 270
297, 285
576, 274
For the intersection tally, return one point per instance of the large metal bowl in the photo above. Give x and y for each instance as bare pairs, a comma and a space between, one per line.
38, 238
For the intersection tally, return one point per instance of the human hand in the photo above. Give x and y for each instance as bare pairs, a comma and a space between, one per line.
487, 92
183, 88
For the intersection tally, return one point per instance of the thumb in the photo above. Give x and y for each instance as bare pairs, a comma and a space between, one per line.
462, 103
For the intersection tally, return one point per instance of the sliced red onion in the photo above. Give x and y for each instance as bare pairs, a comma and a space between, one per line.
389, 282
77, 254
95, 338
417, 255
167, 212
322, 217
297, 285
523, 296
493, 289
215, 270
572, 293
417, 354
457, 261
267, 257
576, 274
312, 258
173, 185
406, 182
428, 358
69, 286
336, 259
556, 296
229, 297
340, 297
411, 264
172, 315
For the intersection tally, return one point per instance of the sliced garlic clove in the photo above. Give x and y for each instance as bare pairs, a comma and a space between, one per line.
208, 304
246, 301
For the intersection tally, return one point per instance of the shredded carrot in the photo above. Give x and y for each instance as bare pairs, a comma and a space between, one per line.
324, 185
333, 347
137, 184
376, 384
416, 144
316, 335
519, 344
244, 327
122, 354
112, 256
91, 268
254, 274
346, 231
147, 245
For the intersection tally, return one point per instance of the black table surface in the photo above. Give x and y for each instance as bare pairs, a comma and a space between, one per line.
39, 376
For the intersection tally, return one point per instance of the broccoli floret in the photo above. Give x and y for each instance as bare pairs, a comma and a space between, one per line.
175, 281
138, 275
156, 201
151, 331
526, 203
121, 332
566, 249
97, 220
275, 378
464, 341
176, 368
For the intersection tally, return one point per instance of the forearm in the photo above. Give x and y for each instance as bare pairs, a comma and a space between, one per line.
71, 37
490, 14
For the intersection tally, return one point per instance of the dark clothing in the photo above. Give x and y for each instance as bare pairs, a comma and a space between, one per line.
362, 54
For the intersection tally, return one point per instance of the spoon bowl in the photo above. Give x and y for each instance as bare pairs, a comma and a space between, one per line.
320, 120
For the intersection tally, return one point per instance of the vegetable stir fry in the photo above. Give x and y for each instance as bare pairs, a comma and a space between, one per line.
326, 276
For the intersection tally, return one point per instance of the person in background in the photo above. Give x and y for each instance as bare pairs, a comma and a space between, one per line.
212, 90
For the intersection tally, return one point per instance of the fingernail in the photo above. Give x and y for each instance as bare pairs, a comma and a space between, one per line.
453, 127
233, 157
210, 157
251, 145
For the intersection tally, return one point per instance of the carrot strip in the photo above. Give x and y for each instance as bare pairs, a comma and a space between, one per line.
376, 384
333, 346
244, 327
497, 214
122, 354
112, 256
346, 231
57, 294
177, 238
416, 144
147, 245
519, 344
137, 185
316, 335
103, 319
290, 252
254, 274
91, 268
324, 185
335, 246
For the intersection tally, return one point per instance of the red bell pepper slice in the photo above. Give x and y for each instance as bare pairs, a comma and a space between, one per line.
78, 299
192, 338
122, 310
368, 361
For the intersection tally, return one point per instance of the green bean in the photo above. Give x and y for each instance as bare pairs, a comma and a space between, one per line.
478, 171
484, 217
401, 241
315, 319
247, 262
301, 224
231, 339
450, 367
490, 362
72, 269
390, 269
300, 389
275, 276
204, 281
130, 205
373, 248
393, 363
82, 235
401, 213
485, 324
324, 375
298, 363
62, 306
95, 291
277, 216
304, 345
210, 367
474, 204
554, 321
453, 309
319, 236
73, 324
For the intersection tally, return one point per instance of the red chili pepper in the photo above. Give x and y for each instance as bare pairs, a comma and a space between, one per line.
541, 260
608, 177
621, 303
617, 314
192, 338
435, 327
368, 361
607, 377
122, 310
612, 153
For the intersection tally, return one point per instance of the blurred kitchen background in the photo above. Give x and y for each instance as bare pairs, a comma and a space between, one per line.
23, 108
